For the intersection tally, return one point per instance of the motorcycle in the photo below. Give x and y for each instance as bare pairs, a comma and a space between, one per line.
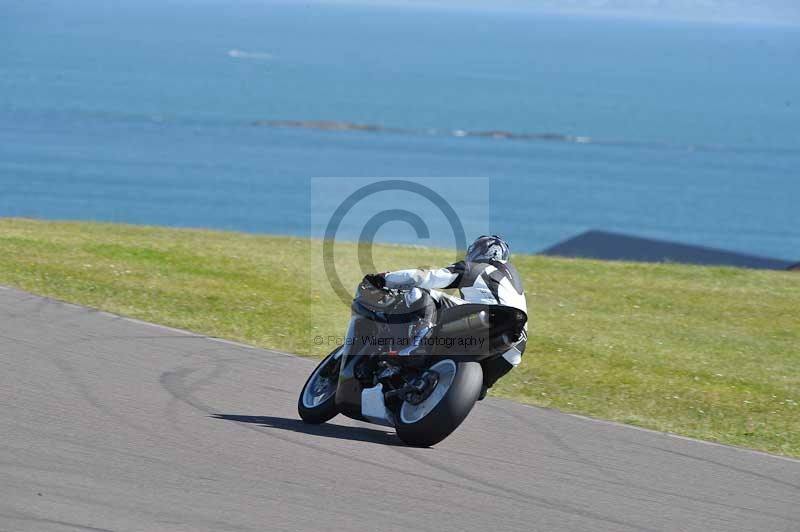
407, 364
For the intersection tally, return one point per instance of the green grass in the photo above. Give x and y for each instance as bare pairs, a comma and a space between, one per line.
712, 353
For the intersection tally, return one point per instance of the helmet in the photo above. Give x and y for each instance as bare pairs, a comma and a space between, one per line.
486, 249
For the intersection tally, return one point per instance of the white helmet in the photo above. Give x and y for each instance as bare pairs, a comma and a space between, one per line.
487, 249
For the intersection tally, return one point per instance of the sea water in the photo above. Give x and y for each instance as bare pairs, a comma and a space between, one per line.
165, 113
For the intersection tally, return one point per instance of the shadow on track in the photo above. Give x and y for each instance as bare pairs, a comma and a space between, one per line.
340, 432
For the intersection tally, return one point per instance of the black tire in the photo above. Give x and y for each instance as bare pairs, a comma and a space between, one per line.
448, 413
325, 410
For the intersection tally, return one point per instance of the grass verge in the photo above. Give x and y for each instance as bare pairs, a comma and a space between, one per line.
712, 353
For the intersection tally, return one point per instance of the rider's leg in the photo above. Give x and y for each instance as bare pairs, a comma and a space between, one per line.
444, 300
496, 367
432, 302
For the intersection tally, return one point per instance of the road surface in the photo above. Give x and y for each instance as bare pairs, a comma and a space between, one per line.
112, 424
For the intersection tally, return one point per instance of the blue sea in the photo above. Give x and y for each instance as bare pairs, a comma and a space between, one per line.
206, 113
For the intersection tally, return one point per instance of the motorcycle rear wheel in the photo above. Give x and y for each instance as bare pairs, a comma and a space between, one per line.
435, 418
317, 401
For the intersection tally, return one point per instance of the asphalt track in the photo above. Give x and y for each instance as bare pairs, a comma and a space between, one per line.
112, 424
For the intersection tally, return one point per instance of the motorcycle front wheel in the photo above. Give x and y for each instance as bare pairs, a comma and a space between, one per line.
317, 402
438, 415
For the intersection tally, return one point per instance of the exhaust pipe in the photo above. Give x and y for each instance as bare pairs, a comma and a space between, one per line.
472, 322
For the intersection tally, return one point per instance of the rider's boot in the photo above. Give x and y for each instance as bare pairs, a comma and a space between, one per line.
493, 369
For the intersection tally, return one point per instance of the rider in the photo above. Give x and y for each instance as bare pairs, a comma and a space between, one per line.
484, 276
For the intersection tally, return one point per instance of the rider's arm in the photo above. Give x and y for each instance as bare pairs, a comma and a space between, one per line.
441, 278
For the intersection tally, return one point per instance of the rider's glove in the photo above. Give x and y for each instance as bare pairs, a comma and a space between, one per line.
376, 279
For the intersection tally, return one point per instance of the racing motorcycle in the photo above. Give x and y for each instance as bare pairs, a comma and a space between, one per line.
406, 364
